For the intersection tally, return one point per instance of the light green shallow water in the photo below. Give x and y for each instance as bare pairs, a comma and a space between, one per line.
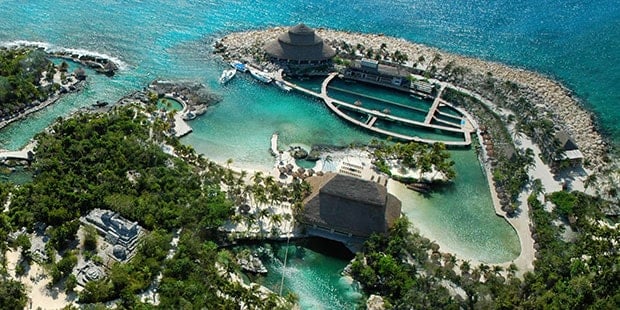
240, 127
461, 217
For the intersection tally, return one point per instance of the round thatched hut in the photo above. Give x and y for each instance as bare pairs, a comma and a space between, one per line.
300, 45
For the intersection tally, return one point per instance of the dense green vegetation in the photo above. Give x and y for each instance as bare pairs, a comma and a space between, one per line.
421, 156
579, 273
388, 267
111, 161
21, 70
583, 272
12, 295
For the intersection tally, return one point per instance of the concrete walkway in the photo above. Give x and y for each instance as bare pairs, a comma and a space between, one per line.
331, 104
21, 154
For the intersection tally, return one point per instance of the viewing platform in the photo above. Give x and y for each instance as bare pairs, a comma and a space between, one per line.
374, 115
23, 154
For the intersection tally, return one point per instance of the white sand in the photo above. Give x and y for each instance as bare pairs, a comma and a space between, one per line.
35, 281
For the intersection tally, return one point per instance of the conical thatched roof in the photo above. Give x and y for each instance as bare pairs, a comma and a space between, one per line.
299, 43
350, 205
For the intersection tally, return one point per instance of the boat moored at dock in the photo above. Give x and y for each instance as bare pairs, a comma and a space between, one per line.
283, 86
260, 75
227, 75
239, 66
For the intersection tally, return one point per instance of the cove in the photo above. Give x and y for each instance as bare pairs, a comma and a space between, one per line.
313, 272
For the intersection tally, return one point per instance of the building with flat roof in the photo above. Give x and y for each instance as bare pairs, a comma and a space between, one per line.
119, 232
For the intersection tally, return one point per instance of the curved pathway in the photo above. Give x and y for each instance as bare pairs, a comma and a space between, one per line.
374, 115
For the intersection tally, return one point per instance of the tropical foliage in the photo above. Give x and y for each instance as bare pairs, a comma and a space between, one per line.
21, 70
577, 273
423, 157
508, 165
114, 161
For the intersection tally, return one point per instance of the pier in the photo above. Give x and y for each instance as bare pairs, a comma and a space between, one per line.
22, 154
374, 115
436, 102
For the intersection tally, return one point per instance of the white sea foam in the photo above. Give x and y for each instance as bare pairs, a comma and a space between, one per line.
51, 48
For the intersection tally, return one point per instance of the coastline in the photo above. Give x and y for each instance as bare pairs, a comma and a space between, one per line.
545, 93
73, 83
77, 85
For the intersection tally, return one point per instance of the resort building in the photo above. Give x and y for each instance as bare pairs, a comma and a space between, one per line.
121, 233
569, 151
373, 72
300, 51
348, 209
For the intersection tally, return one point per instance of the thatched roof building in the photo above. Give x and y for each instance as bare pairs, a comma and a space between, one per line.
349, 205
300, 45
570, 150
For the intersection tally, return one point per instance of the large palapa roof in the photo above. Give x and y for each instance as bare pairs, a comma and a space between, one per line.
299, 43
350, 204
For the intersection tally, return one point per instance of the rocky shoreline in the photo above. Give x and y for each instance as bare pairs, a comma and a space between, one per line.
549, 96
99, 64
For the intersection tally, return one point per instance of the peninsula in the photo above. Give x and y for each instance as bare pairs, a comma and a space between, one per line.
31, 81
528, 126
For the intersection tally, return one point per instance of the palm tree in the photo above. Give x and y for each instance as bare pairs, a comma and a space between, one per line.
260, 197
436, 58
512, 270
529, 158
242, 176
537, 187
228, 162
497, 269
257, 177
591, 179
276, 219
421, 59
465, 267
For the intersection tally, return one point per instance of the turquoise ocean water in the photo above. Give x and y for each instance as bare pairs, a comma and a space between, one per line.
577, 42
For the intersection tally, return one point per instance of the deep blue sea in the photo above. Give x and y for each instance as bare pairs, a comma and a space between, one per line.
576, 42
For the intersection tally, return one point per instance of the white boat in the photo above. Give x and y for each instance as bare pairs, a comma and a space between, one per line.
239, 66
283, 86
227, 75
260, 75
189, 116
